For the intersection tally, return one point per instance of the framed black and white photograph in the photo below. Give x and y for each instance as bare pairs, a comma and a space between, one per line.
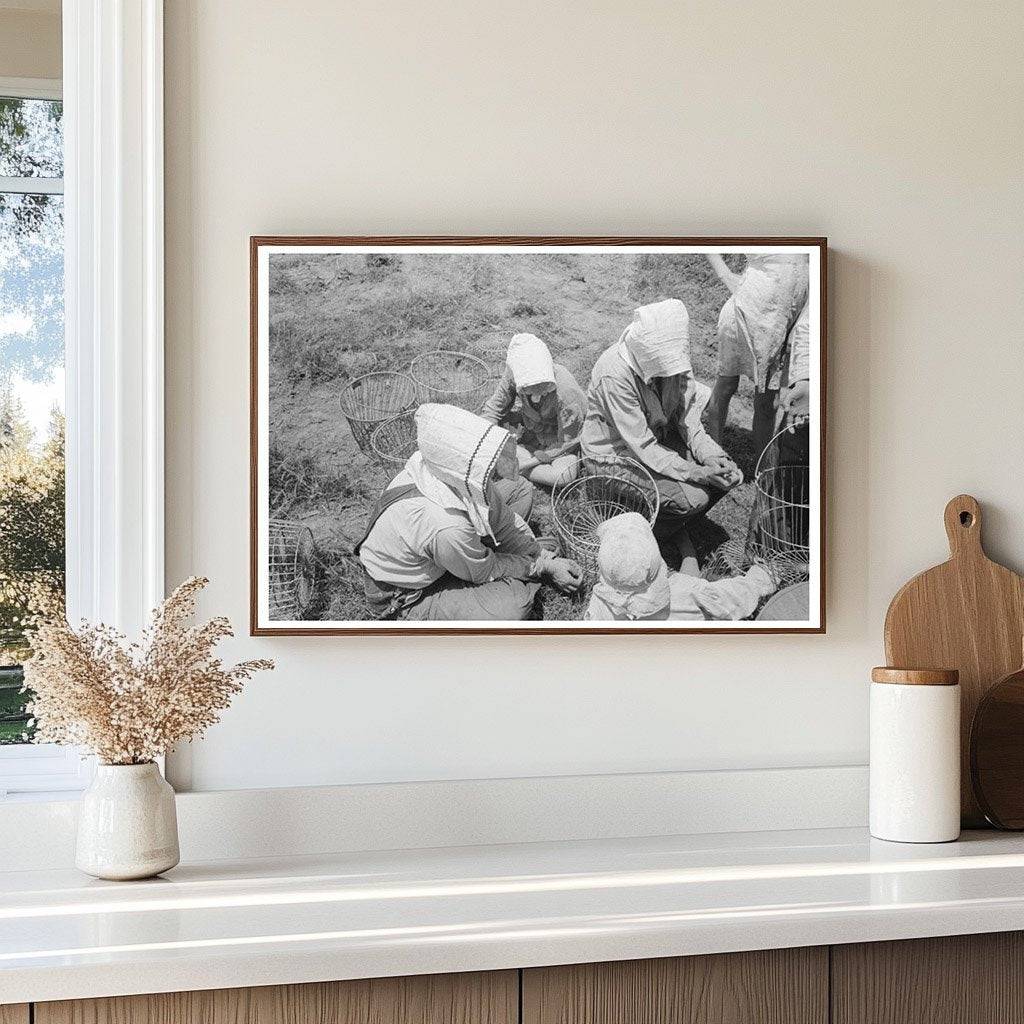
537, 435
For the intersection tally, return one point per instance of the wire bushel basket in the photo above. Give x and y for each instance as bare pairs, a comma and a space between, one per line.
451, 378
292, 570
780, 517
604, 488
394, 441
373, 399
776, 502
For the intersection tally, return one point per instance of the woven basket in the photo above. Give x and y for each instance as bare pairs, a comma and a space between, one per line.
451, 378
292, 570
780, 516
604, 488
374, 398
394, 441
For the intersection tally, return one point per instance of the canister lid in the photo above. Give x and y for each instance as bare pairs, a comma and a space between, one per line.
916, 676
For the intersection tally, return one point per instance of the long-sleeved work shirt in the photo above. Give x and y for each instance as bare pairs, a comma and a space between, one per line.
552, 421
416, 541
658, 424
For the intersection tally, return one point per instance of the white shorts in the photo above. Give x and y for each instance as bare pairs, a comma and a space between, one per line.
753, 330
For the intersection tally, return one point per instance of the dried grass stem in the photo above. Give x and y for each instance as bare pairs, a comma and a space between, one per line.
129, 703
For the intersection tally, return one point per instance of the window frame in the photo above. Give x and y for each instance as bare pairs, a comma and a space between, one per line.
112, 90
32, 88
48, 89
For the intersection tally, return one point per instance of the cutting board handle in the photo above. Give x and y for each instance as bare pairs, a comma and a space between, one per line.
963, 526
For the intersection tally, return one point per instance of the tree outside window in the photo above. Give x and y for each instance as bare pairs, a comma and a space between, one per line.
31, 387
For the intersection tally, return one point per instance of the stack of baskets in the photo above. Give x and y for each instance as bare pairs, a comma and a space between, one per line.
373, 399
394, 441
379, 406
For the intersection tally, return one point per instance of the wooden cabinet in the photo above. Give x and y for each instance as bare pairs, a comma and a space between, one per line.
778, 986
491, 998
971, 979
963, 979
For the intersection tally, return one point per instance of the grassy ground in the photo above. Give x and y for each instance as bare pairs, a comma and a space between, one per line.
335, 317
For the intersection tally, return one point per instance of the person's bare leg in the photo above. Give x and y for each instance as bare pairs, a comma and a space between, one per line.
765, 403
562, 470
688, 553
718, 405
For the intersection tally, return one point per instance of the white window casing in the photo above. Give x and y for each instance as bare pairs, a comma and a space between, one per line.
114, 322
113, 168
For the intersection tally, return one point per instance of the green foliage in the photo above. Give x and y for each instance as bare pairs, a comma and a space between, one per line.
31, 476
32, 552
14, 726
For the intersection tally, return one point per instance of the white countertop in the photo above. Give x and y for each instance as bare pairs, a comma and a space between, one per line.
262, 922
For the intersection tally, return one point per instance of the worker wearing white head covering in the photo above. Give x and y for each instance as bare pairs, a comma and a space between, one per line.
444, 540
644, 404
635, 583
633, 577
542, 402
457, 453
529, 361
657, 342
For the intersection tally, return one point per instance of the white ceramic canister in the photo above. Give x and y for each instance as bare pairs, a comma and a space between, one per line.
915, 755
127, 825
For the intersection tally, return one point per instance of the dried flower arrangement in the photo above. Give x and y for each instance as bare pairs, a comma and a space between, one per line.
129, 703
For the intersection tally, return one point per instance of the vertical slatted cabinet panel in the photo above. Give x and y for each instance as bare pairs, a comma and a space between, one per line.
12, 1013
962, 979
778, 986
481, 998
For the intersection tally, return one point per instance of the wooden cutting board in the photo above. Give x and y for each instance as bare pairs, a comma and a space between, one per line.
967, 614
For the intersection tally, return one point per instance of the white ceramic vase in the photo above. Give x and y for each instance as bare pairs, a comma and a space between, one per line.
127, 825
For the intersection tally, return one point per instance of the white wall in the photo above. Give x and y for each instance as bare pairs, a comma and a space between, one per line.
895, 129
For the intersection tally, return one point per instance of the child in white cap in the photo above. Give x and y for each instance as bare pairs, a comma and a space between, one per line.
635, 583
540, 401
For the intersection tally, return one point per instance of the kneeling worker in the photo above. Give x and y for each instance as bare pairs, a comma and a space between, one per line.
445, 540
645, 404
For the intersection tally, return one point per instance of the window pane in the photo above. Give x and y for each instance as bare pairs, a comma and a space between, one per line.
31, 138
31, 432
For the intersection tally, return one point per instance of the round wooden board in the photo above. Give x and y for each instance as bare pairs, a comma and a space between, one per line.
997, 753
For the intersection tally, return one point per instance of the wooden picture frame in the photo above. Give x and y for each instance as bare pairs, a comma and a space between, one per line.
262, 248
